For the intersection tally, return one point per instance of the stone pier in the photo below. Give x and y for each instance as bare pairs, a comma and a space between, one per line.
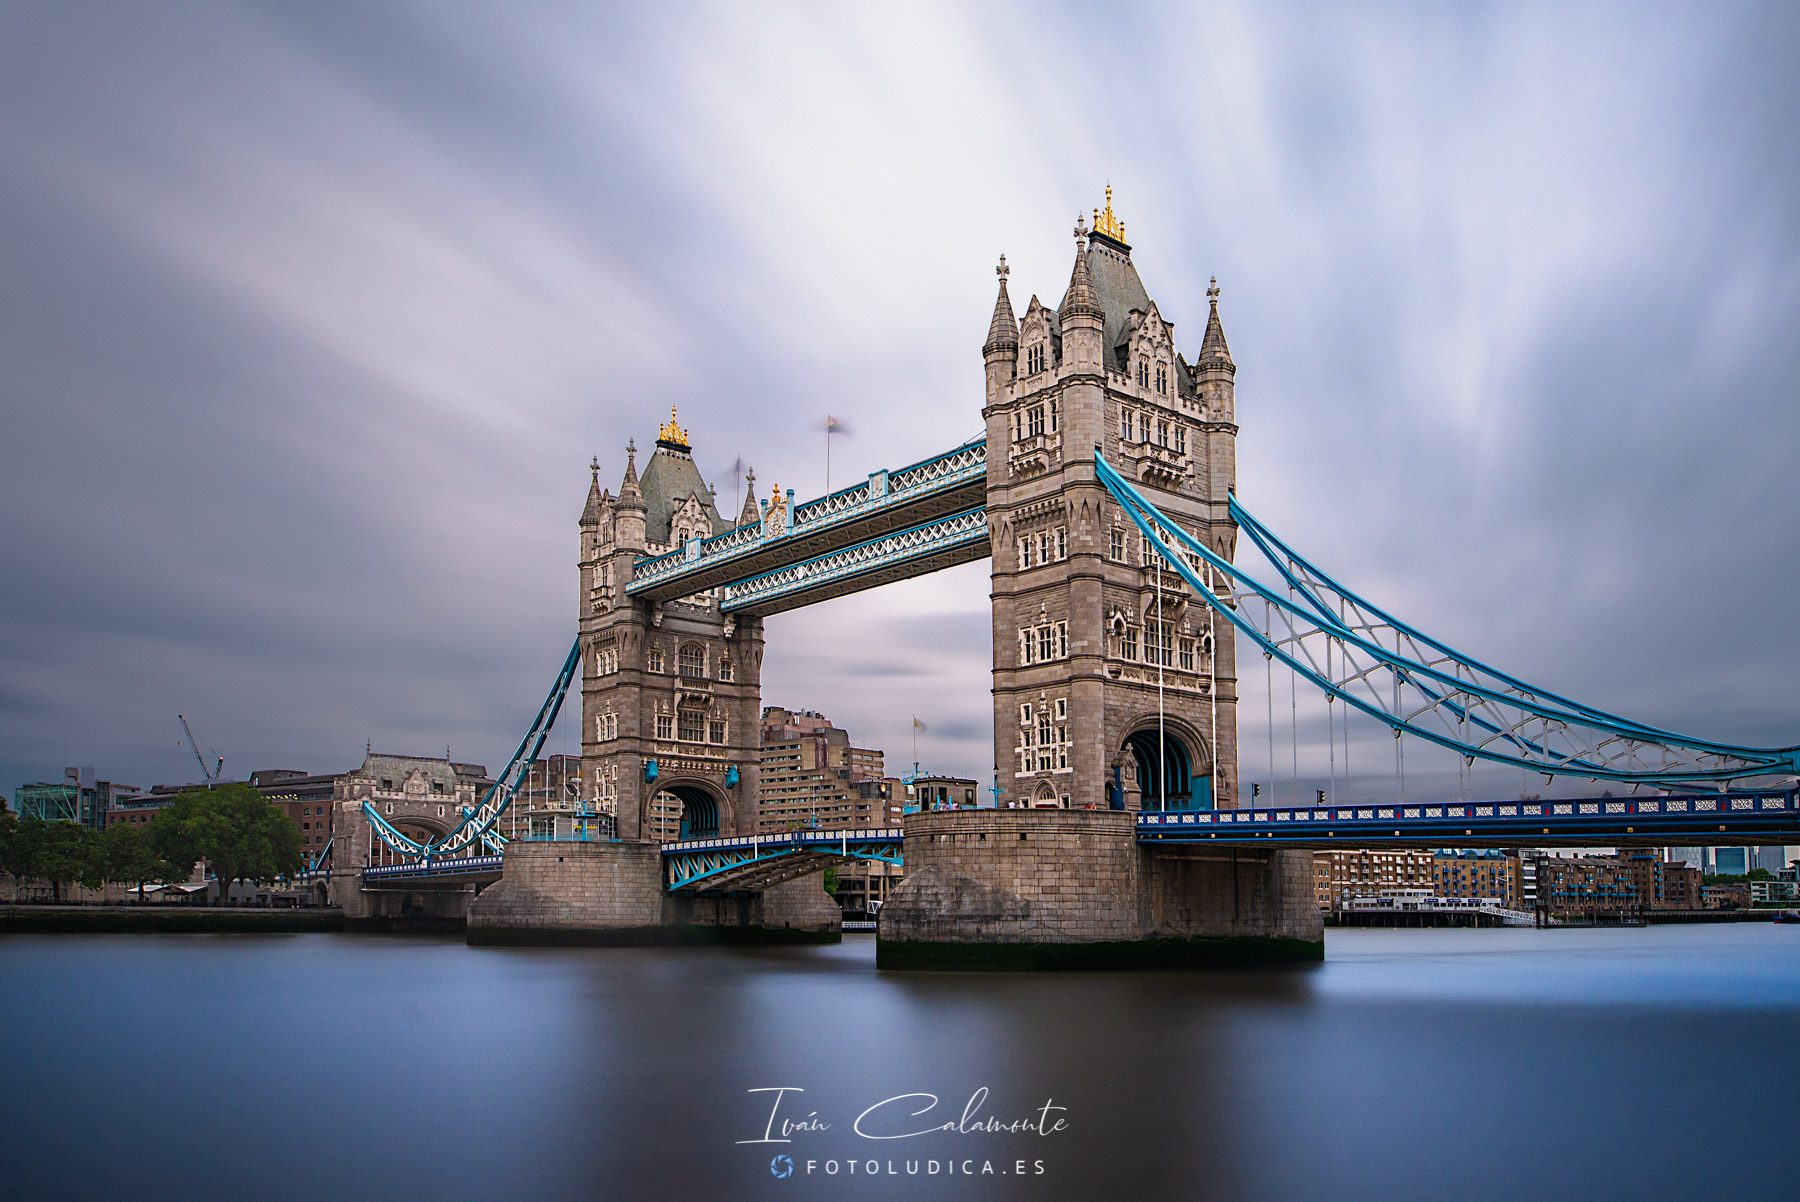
611, 894
1052, 889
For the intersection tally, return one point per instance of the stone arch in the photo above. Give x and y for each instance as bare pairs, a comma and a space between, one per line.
1173, 771
706, 809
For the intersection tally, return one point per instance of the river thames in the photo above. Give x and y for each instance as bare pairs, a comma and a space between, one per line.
1638, 1063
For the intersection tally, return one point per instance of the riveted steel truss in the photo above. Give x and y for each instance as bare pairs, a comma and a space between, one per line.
902, 491
928, 546
477, 825
757, 862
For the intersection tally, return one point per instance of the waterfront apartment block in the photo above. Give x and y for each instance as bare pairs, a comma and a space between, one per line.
1479, 874
1575, 885
1362, 872
811, 776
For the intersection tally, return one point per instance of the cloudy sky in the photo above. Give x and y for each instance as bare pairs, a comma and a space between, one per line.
312, 315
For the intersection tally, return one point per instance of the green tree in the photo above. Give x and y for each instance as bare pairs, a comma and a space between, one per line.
232, 827
9, 839
831, 881
130, 859
54, 852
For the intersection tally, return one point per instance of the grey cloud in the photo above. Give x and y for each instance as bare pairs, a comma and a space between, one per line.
312, 316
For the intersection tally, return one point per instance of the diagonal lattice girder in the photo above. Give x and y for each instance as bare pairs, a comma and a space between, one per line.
477, 825
883, 502
1416, 685
927, 547
760, 861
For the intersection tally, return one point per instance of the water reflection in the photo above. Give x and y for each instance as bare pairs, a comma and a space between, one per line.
1412, 1064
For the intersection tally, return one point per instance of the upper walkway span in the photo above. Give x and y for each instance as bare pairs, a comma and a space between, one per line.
873, 517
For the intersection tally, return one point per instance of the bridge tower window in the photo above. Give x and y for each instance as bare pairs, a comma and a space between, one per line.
665, 725
1143, 374
716, 731
692, 727
725, 667
1124, 425
1162, 379
1115, 544
655, 661
691, 659
1034, 421
1034, 359
1180, 439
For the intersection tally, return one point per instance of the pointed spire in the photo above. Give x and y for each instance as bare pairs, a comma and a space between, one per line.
1081, 300
630, 495
1003, 331
1213, 346
750, 514
590, 514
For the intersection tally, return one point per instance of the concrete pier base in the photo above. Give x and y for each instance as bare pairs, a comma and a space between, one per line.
1072, 889
611, 895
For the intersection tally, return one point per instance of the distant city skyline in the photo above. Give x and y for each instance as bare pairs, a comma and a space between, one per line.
314, 317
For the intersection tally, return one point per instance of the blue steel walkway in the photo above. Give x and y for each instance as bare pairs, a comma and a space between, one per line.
1735, 818
754, 862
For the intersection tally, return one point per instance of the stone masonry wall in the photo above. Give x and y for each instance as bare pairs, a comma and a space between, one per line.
984, 887
547, 888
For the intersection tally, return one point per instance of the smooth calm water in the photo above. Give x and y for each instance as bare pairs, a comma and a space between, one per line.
1592, 1064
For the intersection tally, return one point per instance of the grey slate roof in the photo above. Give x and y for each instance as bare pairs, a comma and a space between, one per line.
669, 479
1120, 290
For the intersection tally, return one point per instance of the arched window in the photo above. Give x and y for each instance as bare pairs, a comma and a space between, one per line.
691, 659
1143, 374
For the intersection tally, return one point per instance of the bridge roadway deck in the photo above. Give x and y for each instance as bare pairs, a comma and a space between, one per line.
755, 862
883, 504
1734, 818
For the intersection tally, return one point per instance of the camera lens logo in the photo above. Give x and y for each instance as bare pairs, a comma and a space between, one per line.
781, 1168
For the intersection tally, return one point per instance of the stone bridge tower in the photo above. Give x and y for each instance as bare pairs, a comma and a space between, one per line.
1085, 645
670, 693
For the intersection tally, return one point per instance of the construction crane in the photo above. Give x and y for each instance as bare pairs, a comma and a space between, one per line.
211, 774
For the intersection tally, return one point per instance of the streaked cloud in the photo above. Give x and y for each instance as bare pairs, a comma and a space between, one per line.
312, 317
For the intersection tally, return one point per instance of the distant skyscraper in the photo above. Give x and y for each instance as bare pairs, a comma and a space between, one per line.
1731, 861
1772, 858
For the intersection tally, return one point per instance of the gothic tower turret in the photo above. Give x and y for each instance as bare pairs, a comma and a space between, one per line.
1001, 350
670, 695
631, 511
1087, 636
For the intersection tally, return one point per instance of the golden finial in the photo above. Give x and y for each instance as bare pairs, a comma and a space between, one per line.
671, 433
1105, 222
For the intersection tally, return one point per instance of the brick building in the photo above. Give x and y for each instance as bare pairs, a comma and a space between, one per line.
1365, 872
1471, 874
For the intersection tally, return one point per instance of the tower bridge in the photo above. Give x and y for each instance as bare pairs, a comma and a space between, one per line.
1103, 493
